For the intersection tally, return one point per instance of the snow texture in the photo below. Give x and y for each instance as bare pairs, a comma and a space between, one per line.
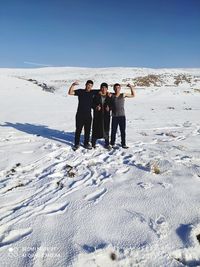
99, 208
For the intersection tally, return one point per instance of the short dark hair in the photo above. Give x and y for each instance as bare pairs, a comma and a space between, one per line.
89, 81
116, 84
104, 85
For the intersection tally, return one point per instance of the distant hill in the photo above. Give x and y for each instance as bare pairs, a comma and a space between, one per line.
59, 78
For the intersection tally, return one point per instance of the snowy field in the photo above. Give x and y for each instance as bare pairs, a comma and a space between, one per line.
98, 208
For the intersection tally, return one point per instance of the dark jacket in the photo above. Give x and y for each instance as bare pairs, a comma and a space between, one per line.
101, 120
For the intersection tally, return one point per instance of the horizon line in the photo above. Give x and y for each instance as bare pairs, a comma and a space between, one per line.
44, 66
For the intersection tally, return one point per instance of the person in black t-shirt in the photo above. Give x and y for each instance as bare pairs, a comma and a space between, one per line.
83, 115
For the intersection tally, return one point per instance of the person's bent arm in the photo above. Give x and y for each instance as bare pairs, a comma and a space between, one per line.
72, 88
132, 94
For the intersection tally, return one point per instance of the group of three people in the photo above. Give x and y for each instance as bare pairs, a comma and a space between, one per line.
103, 104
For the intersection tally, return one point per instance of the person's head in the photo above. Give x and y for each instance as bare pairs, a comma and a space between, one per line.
89, 85
117, 88
104, 88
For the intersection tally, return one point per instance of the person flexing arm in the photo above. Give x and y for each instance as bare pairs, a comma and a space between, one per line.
72, 88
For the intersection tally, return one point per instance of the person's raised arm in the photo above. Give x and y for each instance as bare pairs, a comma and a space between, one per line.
132, 94
72, 88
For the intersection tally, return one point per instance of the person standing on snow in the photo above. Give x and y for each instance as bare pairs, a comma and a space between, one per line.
101, 120
83, 115
118, 113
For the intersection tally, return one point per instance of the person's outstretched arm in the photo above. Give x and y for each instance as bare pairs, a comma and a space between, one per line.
132, 94
72, 88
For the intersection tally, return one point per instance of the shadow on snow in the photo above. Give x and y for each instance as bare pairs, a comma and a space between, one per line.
43, 131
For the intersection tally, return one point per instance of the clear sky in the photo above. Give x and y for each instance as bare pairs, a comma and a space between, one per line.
100, 33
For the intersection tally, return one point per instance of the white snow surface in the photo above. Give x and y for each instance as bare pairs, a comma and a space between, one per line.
98, 208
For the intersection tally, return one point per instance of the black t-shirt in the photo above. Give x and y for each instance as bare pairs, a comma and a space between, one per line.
85, 100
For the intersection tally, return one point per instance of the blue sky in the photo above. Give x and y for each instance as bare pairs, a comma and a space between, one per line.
100, 33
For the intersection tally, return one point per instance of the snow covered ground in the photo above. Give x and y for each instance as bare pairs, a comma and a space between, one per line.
135, 207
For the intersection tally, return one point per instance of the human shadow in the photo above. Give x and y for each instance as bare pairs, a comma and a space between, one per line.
42, 130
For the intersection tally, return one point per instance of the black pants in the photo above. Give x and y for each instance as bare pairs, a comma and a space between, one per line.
83, 121
121, 121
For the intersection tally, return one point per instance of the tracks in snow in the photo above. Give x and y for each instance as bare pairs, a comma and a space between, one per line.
43, 187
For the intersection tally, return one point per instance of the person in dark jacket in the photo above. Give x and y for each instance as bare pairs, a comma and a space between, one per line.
101, 118
83, 114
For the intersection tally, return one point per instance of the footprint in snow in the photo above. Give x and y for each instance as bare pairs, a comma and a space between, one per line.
145, 185
122, 170
96, 195
159, 226
8, 237
51, 146
57, 208
166, 185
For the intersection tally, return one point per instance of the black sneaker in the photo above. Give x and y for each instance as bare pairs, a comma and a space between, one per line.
108, 147
88, 146
125, 146
75, 147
